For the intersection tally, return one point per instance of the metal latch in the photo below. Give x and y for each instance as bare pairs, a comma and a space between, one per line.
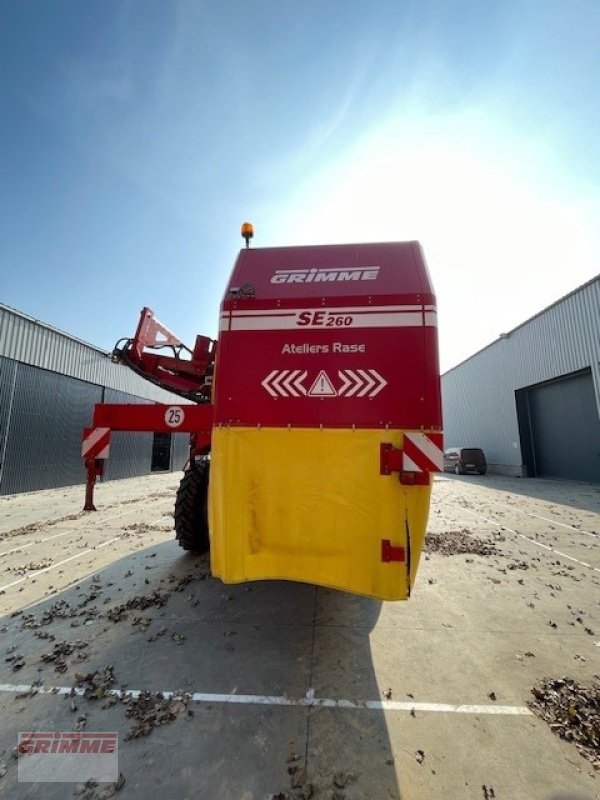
391, 553
390, 459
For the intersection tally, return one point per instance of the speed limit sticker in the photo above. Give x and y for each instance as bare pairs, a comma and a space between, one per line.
174, 416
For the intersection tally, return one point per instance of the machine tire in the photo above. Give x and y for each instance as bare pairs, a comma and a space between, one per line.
191, 510
457, 470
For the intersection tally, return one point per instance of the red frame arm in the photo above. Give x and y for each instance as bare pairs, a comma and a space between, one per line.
156, 418
190, 376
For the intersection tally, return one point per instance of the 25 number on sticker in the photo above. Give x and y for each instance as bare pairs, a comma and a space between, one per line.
174, 416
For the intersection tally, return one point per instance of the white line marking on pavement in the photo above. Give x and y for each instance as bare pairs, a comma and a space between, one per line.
547, 519
275, 700
532, 541
72, 530
64, 561
110, 541
46, 569
38, 541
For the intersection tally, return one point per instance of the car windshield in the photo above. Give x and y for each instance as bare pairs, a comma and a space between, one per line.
472, 453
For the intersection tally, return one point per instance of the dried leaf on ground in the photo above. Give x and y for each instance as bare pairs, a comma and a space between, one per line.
150, 710
573, 712
96, 684
452, 543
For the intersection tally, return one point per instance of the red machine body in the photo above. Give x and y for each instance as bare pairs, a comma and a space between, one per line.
364, 354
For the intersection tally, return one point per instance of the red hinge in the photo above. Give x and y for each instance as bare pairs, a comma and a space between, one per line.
390, 459
391, 553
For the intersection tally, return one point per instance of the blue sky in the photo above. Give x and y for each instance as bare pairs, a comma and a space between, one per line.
137, 135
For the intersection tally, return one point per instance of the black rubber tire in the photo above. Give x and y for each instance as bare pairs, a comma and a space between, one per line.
457, 470
191, 510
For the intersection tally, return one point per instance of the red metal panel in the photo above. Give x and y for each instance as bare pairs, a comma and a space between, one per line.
286, 272
334, 336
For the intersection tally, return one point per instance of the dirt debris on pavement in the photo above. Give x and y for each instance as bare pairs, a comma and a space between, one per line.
303, 788
13, 658
119, 613
62, 609
91, 790
62, 649
572, 711
154, 709
96, 684
160, 632
452, 543
31, 691
141, 623
340, 780
32, 566
157, 598
145, 527
34, 527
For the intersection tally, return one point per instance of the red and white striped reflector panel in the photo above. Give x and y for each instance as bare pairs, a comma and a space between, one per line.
423, 452
96, 443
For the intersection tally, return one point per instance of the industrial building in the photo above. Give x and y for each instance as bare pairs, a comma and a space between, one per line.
49, 384
531, 399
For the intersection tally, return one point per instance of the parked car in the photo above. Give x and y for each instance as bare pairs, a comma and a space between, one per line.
461, 460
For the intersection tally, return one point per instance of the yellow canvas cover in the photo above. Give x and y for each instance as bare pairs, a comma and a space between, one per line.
311, 505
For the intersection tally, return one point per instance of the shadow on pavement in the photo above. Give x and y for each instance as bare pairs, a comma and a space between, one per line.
583, 496
162, 623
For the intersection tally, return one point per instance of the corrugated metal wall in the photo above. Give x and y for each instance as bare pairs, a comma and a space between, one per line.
130, 453
479, 395
180, 451
8, 376
43, 441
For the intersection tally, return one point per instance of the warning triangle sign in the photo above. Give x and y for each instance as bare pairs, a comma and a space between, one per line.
322, 387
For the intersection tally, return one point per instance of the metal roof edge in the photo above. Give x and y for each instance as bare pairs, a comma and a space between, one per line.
328, 245
48, 327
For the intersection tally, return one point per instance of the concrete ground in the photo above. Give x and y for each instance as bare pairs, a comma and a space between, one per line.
297, 691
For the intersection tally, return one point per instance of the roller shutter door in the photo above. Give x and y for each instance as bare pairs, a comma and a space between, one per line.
565, 428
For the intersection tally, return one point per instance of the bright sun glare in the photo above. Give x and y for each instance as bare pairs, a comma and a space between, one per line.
500, 246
